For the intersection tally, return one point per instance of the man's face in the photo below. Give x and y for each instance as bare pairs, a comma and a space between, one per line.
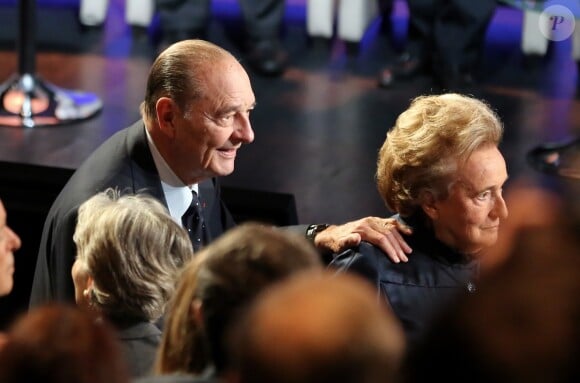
215, 126
9, 242
469, 218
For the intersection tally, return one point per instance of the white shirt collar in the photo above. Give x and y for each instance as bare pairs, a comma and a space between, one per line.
177, 194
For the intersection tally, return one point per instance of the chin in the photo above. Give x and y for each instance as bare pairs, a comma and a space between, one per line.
6, 287
489, 242
223, 171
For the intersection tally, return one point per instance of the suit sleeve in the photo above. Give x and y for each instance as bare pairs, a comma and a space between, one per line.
52, 277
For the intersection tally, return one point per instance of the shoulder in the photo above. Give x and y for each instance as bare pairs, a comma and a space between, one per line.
109, 165
364, 259
139, 330
120, 145
371, 262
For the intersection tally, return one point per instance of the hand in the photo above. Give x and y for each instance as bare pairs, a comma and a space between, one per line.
384, 233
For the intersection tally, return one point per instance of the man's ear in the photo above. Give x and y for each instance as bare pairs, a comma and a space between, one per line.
167, 111
429, 205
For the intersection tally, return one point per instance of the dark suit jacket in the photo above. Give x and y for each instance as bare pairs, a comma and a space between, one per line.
124, 162
140, 342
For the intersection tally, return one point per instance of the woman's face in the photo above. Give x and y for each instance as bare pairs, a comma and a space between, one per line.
9, 242
468, 219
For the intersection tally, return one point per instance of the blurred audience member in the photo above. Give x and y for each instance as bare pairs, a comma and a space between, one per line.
535, 204
219, 283
318, 329
521, 326
531, 206
9, 243
188, 19
446, 38
61, 344
130, 252
440, 169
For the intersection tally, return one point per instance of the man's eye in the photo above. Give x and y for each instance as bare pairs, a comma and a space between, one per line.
483, 196
227, 118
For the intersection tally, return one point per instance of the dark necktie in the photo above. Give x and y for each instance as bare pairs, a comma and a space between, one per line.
192, 220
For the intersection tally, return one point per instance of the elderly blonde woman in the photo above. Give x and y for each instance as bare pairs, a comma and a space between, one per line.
216, 287
440, 169
129, 255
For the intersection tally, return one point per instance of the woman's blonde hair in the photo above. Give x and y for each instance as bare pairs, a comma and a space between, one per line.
434, 136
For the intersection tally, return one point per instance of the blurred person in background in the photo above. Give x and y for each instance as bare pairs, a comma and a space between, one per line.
61, 344
223, 279
318, 328
9, 243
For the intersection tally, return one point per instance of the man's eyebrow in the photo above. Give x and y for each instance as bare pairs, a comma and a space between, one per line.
233, 108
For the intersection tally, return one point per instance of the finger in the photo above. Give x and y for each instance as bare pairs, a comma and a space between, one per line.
388, 239
403, 228
390, 228
402, 243
387, 248
385, 243
394, 239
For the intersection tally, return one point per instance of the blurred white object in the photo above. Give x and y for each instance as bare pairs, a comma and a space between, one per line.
137, 12
353, 17
533, 41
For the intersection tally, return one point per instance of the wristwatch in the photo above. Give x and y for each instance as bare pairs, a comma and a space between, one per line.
314, 229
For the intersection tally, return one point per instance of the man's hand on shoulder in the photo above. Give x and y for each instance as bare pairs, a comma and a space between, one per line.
384, 233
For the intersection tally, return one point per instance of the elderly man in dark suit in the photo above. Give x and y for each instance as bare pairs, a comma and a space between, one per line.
195, 117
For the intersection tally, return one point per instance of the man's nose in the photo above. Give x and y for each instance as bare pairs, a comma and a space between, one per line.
244, 131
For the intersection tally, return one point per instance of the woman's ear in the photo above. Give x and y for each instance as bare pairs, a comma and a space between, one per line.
88, 291
429, 205
90, 282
